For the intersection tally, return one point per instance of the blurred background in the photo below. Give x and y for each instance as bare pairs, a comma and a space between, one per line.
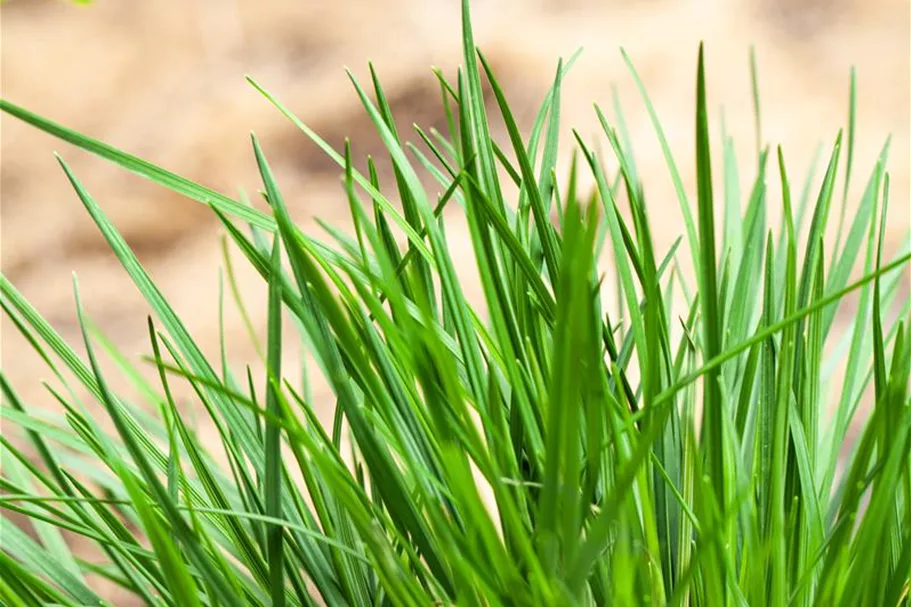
165, 80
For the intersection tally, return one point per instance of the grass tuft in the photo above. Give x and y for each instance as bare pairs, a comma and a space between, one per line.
552, 447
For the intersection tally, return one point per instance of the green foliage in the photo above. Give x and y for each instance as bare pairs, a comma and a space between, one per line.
538, 451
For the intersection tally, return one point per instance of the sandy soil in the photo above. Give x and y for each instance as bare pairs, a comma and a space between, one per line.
165, 80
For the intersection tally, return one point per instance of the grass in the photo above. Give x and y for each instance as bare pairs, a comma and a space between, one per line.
548, 449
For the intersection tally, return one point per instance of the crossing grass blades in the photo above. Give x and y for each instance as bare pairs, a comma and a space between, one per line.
547, 449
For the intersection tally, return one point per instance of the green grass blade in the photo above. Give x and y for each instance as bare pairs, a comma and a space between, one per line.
713, 321
272, 444
141, 167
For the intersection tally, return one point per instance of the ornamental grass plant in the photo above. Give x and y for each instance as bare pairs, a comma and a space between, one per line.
686, 444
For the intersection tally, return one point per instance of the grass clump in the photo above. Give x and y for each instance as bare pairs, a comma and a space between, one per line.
543, 451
